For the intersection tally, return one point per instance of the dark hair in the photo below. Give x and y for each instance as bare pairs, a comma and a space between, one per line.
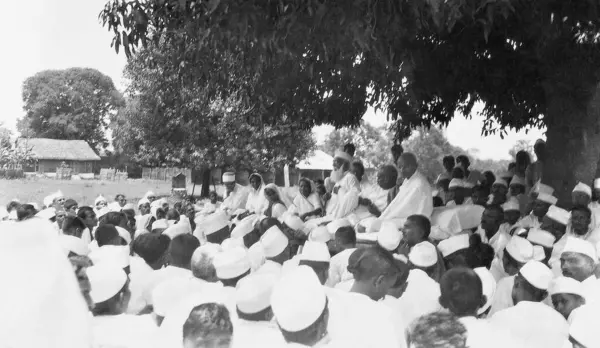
119, 195
448, 162
437, 330
72, 222
461, 290
172, 214
350, 149
182, 248
81, 213
397, 150
346, 235
423, 223
319, 182
208, 321
479, 254
511, 165
458, 173
463, 159
267, 223
437, 202
160, 213
112, 218
12, 205
25, 211
309, 334
105, 234
69, 203
151, 246
369, 260
522, 157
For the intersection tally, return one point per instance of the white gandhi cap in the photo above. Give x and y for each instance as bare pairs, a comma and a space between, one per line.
253, 293
517, 180
543, 188
520, 249
566, 285
72, 244
294, 222
117, 255
315, 251
454, 244
488, 284
298, 299
423, 254
274, 241
106, 280
231, 263
540, 237
389, 236
214, 223
580, 246
581, 187
558, 214
454, 183
334, 225
320, 234
228, 177
537, 274
547, 198
511, 205
342, 155
500, 182
584, 326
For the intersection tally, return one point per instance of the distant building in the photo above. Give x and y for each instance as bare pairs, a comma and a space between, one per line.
51, 153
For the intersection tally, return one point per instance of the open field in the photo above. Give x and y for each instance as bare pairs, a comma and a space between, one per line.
83, 191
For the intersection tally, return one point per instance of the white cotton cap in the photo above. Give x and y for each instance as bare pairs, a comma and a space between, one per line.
315, 251
242, 228
454, 183
511, 205
168, 293
143, 201
581, 187
320, 234
298, 299
230, 243
47, 213
597, 183
541, 237
274, 241
162, 223
73, 244
231, 263
214, 223
520, 249
543, 188
48, 200
256, 256
546, 198
558, 214
182, 227
517, 180
35, 205
117, 255
580, 246
228, 177
500, 182
123, 233
538, 253
519, 231
584, 326
272, 268
566, 285
454, 244
335, 225
389, 236
99, 199
294, 222
537, 274
106, 280
488, 284
467, 184
100, 213
343, 155
423, 254
505, 175
58, 194
149, 194
253, 293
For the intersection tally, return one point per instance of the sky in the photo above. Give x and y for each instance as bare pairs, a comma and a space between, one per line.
59, 34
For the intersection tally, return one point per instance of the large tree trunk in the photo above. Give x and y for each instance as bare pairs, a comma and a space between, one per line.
205, 182
573, 141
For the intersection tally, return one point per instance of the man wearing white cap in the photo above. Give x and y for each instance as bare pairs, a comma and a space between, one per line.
236, 195
555, 222
111, 327
530, 321
456, 193
512, 214
567, 295
231, 266
316, 256
500, 188
540, 207
517, 191
543, 239
255, 327
583, 332
489, 290
344, 194
276, 245
213, 229
581, 195
491, 230
581, 225
578, 261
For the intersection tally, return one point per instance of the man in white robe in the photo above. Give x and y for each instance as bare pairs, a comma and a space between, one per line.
344, 196
578, 261
371, 205
236, 195
492, 231
540, 205
413, 198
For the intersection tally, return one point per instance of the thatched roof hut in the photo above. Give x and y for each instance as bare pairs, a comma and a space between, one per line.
50, 153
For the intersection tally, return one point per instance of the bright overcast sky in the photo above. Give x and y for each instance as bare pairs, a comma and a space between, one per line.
58, 34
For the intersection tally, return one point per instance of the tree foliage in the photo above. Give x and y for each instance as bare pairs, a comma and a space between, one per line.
5, 135
373, 144
521, 145
69, 104
169, 120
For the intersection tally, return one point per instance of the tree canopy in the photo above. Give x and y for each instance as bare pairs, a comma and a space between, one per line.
75, 103
168, 121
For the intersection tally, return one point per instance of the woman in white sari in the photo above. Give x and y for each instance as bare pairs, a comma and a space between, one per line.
257, 202
307, 203
277, 202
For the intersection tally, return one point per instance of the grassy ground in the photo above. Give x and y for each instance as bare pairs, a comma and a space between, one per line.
83, 191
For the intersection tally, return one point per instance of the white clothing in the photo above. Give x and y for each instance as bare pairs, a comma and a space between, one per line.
414, 197
123, 331
338, 268
498, 240
591, 288
595, 208
139, 271
158, 276
277, 210
497, 269
345, 200
256, 334
529, 221
482, 334
503, 295
534, 324
378, 196
235, 200
302, 205
257, 202
421, 296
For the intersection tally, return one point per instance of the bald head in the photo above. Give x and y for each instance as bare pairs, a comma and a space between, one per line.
387, 176
202, 262
407, 164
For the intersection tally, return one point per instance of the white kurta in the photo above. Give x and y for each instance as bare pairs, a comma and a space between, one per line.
503, 295
533, 323
125, 330
257, 202
378, 196
414, 197
338, 268
158, 276
302, 205
421, 296
498, 240
236, 199
482, 334
139, 271
345, 200
256, 334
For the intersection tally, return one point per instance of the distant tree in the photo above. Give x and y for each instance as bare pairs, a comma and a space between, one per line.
521, 144
75, 103
373, 144
5, 135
